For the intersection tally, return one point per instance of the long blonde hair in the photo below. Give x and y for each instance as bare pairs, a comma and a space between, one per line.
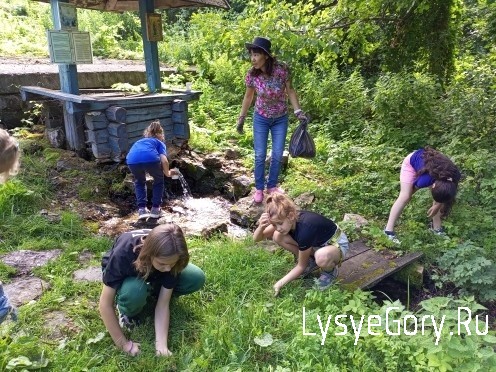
280, 207
154, 130
9, 156
162, 242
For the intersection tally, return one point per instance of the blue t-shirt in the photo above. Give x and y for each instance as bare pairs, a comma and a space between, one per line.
417, 162
146, 150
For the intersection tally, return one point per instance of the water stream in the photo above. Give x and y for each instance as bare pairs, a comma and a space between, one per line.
194, 214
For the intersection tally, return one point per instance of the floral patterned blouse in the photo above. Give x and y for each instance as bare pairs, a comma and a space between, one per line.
271, 99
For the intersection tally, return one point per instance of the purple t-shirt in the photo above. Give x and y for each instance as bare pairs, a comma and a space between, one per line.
271, 99
417, 162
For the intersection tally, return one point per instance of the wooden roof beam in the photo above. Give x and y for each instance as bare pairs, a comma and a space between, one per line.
110, 4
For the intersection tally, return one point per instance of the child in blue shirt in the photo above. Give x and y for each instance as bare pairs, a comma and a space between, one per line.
149, 155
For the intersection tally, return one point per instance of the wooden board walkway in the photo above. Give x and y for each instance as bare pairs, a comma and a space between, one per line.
364, 267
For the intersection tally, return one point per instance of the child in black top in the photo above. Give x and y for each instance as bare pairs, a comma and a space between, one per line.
143, 262
303, 233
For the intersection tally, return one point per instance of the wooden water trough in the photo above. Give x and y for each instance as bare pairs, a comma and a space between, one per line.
110, 121
64, 16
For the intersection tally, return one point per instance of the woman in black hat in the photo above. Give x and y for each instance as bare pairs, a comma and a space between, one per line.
271, 81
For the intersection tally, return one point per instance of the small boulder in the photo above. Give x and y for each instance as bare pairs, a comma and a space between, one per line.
24, 290
241, 186
245, 212
213, 229
56, 137
355, 219
90, 274
232, 154
304, 200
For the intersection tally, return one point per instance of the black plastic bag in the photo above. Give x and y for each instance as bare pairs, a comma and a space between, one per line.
301, 144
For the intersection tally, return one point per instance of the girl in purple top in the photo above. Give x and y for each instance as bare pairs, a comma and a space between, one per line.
423, 168
271, 81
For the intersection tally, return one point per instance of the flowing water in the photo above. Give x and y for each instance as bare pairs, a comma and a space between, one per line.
184, 184
195, 214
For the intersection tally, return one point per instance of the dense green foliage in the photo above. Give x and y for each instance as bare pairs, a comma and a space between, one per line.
379, 79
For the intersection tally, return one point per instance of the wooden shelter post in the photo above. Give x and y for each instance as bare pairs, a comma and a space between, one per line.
150, 49
69, 84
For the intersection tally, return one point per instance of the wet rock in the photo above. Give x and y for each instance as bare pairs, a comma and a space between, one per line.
221, 178
245, 212
114, 227
24, 260
213, 162
214, 229
241, 186
304, 200
194, 171
23, 290
232, 154
90, 274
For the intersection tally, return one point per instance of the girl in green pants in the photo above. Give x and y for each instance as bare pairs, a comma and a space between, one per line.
143, 263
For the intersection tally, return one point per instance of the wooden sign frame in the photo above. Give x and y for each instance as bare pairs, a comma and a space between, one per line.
154, 30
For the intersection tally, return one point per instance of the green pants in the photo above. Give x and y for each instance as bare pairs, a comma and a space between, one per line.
134, 292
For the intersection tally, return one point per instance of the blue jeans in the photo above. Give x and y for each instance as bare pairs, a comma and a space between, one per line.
278, 128
139, 172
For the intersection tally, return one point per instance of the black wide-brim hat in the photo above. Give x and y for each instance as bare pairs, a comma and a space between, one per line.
261, 43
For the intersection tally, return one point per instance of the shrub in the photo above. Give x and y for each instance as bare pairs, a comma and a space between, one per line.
405, 109
468, 269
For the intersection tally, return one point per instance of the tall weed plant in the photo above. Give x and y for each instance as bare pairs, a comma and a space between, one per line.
340, 104
405, 109
469, 109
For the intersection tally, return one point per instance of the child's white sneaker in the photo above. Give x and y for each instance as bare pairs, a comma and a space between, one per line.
392, 236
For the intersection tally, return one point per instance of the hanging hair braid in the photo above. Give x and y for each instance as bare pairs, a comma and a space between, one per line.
154, 130
446, 175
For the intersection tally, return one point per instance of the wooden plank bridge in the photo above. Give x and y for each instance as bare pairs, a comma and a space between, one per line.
364, 267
